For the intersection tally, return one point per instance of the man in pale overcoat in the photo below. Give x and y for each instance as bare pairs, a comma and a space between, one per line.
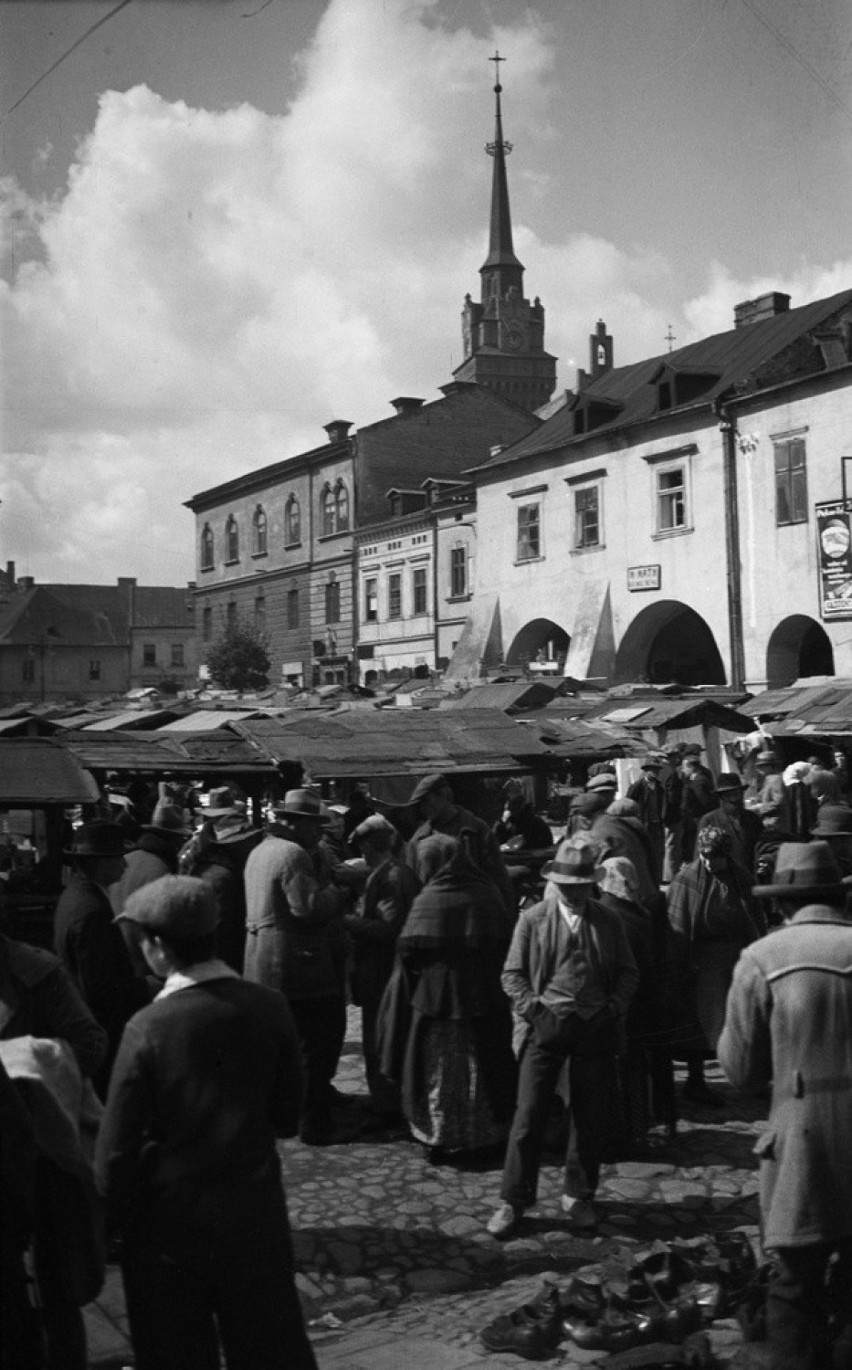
789, 1022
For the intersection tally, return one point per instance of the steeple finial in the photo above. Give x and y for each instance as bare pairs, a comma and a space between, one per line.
500, 249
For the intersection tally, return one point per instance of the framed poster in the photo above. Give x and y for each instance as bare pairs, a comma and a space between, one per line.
834, 558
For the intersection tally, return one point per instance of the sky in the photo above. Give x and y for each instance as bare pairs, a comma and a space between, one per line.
227, 222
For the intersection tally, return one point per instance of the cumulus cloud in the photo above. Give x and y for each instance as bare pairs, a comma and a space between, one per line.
213, 286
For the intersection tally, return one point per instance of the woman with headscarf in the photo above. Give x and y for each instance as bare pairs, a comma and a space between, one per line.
711, 921
644, 1027
455, 1063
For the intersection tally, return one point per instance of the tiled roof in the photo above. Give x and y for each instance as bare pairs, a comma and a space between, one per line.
737, 358
441, 439
93, 615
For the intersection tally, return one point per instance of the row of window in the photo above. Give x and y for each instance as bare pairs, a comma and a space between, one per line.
419, 595
177, 658
671, 495
334, 518
331, 593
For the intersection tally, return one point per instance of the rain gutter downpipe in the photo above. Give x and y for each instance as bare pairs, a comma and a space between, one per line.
733, 566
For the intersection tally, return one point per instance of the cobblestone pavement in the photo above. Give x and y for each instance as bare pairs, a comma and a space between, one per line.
396, 1268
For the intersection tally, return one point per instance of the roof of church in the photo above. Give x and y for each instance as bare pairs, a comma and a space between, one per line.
733, 361
501, 250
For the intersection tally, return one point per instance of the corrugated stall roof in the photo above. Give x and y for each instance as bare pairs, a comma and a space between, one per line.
132, 719
816, 709
38, 770
664, 712
207, 720
396, 742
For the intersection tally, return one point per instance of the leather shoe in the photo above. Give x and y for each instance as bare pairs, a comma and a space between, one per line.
579, 1214
530, 1330
504, 1222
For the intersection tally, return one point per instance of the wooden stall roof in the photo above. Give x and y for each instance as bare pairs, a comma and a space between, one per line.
38, 770
805, 710
642, 712
396, 741
219, 752
509, 696
576, 737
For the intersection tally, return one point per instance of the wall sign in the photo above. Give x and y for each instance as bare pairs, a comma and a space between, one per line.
834, 553
643, 577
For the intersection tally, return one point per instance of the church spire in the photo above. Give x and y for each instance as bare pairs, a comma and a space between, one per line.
503, 333
501, 252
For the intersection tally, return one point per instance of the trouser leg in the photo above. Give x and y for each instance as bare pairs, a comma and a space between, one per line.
170, 1310
259, 1313
673, 853
321, 1027
538, 1072
795, 1307
592, 1079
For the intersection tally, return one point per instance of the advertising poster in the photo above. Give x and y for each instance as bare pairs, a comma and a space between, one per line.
834, 534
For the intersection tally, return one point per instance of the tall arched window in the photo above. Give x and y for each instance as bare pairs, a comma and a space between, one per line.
207, 548
328, 507
232, 539
341, 508
258, 528
332, 599
292, 522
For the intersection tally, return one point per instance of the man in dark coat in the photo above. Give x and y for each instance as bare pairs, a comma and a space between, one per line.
208, 1076
440, 813
789, 1025
699, 796
618, 831
154, 854
374, 930
648, 793
88, 943
743, 827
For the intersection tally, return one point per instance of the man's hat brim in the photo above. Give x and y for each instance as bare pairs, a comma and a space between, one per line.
799, 892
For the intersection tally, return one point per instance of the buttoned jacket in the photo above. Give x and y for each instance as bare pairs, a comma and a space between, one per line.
532, 959
789, 1022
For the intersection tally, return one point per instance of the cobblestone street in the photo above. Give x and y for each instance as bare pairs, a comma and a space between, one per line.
395, 1265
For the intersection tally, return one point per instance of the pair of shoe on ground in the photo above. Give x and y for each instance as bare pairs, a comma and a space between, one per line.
506, 1220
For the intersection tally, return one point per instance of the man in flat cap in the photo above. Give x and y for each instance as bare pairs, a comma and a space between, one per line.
206, 1079
440, 813
789, 1025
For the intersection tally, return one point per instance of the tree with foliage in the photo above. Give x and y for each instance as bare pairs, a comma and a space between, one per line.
239, 660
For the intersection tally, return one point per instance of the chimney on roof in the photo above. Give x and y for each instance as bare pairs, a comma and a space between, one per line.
338, 430
406, 404
764, 307
26, 583
10, 572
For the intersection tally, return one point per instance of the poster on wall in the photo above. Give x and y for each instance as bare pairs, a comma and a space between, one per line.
834, 551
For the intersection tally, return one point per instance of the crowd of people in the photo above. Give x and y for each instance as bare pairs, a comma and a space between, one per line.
521, 984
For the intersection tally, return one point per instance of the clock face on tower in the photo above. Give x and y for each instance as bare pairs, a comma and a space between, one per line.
514, 339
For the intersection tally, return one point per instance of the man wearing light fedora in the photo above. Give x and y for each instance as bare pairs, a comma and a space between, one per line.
87, 941
217, 855
789, 1024
295, 944
570, 975
834, 826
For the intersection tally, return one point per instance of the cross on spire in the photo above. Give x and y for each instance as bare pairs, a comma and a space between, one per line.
670, 337
497, 59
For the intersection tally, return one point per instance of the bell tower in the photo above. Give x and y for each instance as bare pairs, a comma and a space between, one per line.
503, 335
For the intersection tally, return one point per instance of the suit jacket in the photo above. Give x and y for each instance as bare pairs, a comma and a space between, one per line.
532, 960
789, 1022
92, 949
38, 999
205, 1080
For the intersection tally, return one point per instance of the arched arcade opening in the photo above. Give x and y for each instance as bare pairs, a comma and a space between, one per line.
799, 646
539, 642
669, 642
